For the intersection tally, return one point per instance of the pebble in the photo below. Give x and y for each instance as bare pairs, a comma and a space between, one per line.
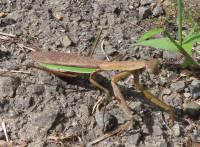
66, 41
70, 113
178, 86
136, 106
172, 76
168, 99
195, 90
192, 109
163, 81
110, 121
38, 89
44, 119
7, 21
176, 130
196, 83
144, 12
177, 102
162, 143
59, 128
167, 91
169, 56
146, 2
157, 130
187, 95
8, 86
133, 139
158, 10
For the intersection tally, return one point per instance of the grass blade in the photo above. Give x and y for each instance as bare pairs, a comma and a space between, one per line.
149, 34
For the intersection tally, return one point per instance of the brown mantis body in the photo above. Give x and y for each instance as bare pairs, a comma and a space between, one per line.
129, 67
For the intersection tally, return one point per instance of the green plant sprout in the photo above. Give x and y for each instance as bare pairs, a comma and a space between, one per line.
184, 46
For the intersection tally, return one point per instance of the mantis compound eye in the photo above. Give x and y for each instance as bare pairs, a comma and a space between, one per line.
153, 66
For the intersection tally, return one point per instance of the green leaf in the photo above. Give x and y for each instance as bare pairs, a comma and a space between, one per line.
149, 34
186, 63
167, 15
188, 47
162, 43
189, 18
192, 39
190, 33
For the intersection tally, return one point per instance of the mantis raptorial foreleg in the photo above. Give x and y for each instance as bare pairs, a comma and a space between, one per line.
150, 96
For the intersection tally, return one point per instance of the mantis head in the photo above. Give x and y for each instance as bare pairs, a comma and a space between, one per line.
152, 67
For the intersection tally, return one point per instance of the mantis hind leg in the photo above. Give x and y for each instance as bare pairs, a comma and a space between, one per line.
105, 90
150, 96
120, 98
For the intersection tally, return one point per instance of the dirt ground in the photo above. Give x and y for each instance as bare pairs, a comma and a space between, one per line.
41, 109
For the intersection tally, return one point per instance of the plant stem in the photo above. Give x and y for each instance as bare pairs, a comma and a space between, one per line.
182, 50
180, 22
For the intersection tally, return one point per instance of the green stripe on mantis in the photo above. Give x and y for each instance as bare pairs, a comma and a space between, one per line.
70, 69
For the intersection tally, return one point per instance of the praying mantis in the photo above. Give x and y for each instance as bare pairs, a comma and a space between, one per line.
72, 65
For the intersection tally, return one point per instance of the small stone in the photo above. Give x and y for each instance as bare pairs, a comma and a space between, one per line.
196, 83
145, 129
38, 89
172, 76
168, 99
176, 130
146, 2
95, 6
167, 91
134, 139
7, 21
136, 106
130, 7
70, 113
178, 86
59, 128
163, 143
109, 120
44, 119
192, 109
58, 16
144, 12
2, 15
186, 89
104, 22
8, 86
84, 109
195, 91
158, 10
157, 130
187, 95
177, 102
66, 41
163, 81
9, 65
